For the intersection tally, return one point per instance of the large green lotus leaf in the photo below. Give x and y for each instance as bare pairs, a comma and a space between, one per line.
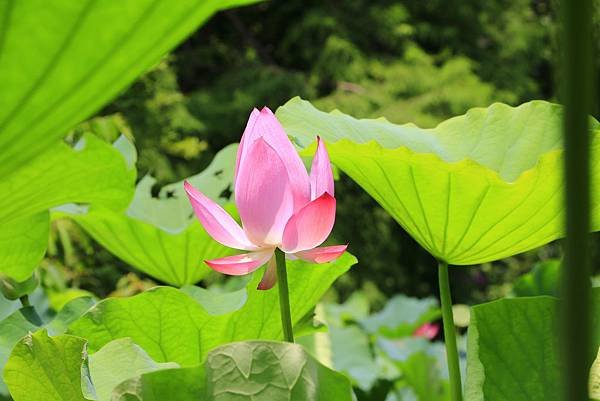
217, 303
42, 368
513, 350
70, 312
62, 367
253, 370
176, 259
266, 371
23, 244
12, 329
171, 209
63, 61
160, 235
183, 384
476, 188
90, 172
116, 362
25, 320
171, 326
79, 376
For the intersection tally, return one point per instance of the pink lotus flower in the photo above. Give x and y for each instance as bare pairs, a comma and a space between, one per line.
427, 330
280, 205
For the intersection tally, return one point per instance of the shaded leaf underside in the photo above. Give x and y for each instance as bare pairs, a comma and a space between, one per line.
477, 188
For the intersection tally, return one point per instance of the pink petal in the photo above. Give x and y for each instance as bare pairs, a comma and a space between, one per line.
321, 176
264, 125
311, 226
248, 132
238, 265
428, 330
270, 276
322, 255
263, 195
216, 221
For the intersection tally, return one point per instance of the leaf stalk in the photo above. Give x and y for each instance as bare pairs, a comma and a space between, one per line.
449, 332
577, 95
284, 297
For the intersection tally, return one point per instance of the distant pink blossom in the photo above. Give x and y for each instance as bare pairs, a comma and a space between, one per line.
428, 330
280, 204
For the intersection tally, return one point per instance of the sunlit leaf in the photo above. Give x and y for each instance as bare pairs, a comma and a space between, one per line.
476, 188
154, 319
23, 244
62, 62
92, 172
58, 299
217, 303
33, 374
160, 235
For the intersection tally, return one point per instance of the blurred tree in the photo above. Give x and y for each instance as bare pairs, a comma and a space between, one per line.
167, 134
511, 41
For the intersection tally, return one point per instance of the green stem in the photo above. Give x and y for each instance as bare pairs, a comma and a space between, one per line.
284, 297
29, 311
449, 332
577, 95
25, 301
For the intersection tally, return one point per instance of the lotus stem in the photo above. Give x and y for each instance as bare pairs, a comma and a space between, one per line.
25, 300
449, 333
284, 297
577, 95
